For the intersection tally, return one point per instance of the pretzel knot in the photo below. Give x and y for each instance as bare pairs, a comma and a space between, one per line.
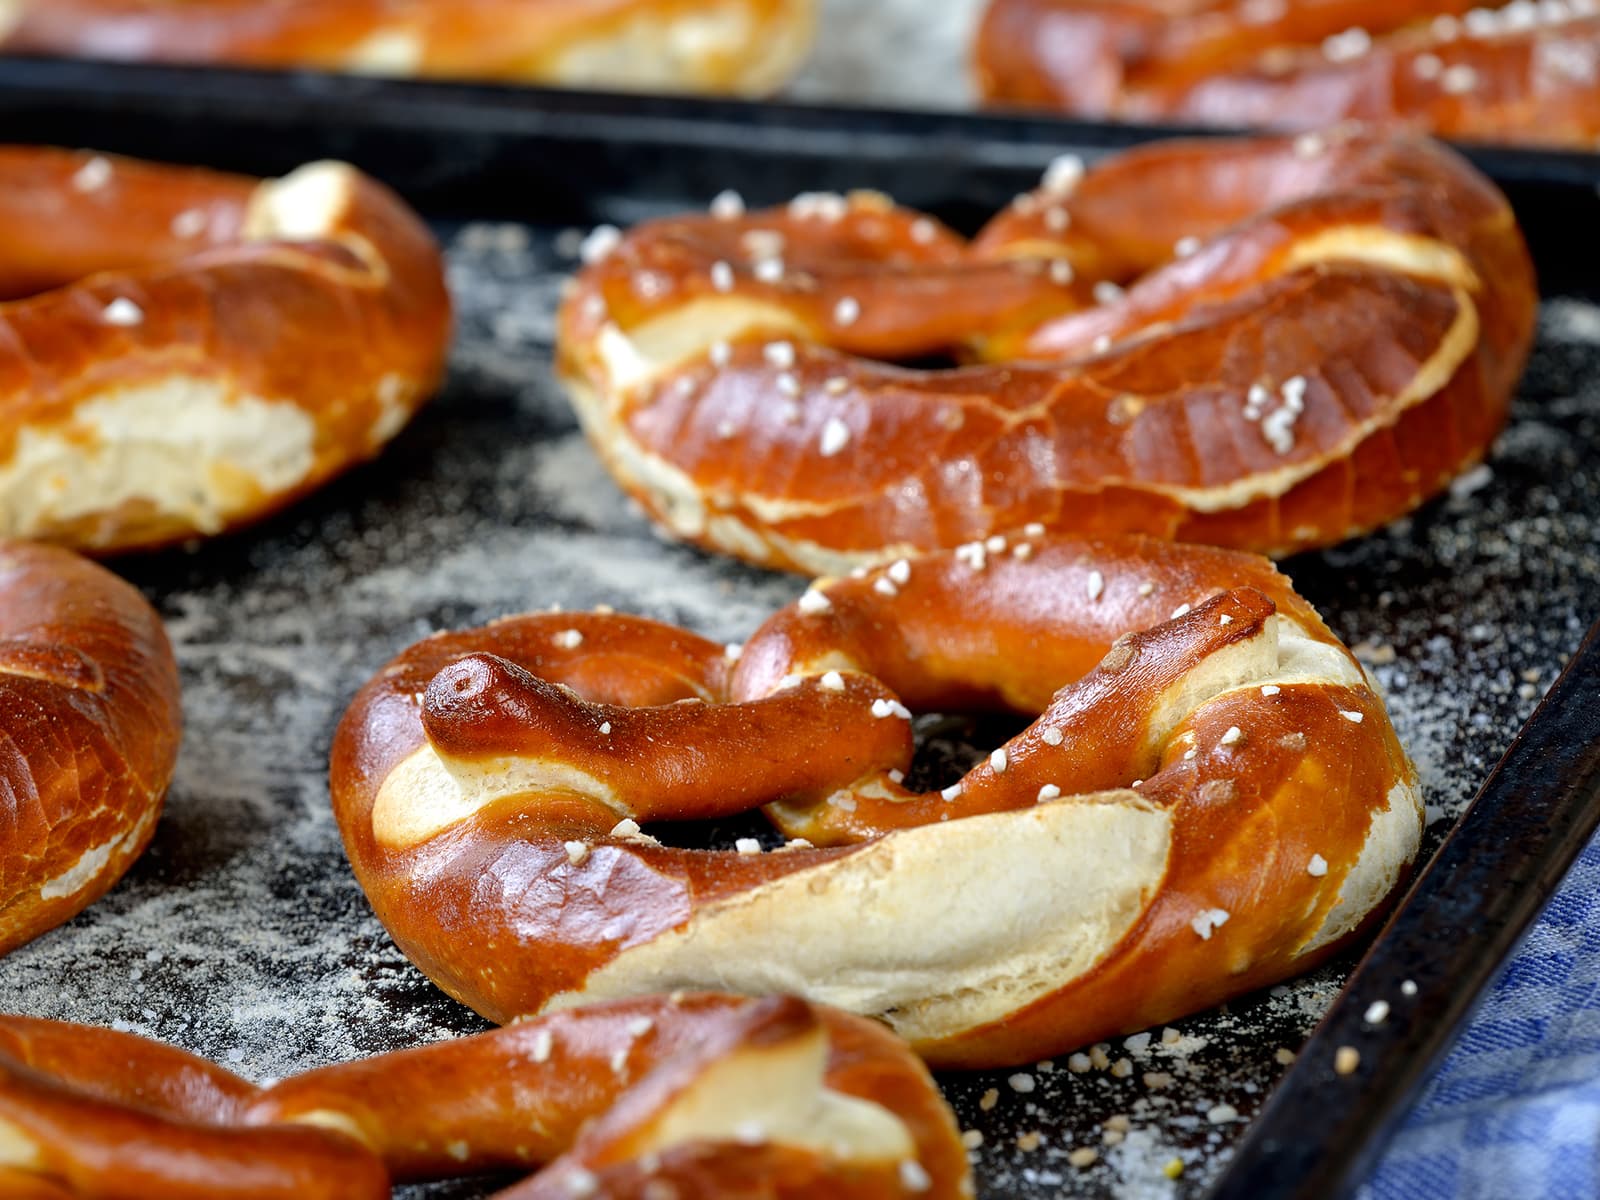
655, 1099
1234, 342
1522, 72
191, 351
1210, 799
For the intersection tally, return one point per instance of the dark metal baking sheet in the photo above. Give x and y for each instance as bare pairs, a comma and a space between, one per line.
242, 935
477, 150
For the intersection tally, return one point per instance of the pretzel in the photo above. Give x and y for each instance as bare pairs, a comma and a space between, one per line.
187, 351
1317, 337
1526, 72
90, 714
746, 47
1211, 798
700, 1096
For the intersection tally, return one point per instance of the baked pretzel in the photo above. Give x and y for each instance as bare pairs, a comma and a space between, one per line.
90, 717
1527, 72
738, 46
185, 351
702, 1096
1318, 335
1212, 800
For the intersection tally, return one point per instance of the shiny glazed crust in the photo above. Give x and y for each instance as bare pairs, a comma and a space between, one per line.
1270, 344
1524, 73
90, 714
1211, 798
185, 352
703, 1095
745, 47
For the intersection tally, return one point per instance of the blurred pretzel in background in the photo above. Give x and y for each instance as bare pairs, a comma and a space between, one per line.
680, 1098
741, 47
1525, 73
1272, 344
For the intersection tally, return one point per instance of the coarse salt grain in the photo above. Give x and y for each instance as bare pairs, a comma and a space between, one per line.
890, 708
722, 277
1051, 736
835, 437
1355, 718
568, 639
123, 312
1318, 866
1212, 918
847, 311
913, 1177
1232, 737
951, 792
831, 681
1062, 176
727, 206
1270, 689
1377, 1012
1049, 792
93, 175
813, 602
998, 761
1022, 1082
600, 243
747, 846
577, 853
1096, 585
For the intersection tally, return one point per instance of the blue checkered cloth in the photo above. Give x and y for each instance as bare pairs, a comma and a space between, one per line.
1515, 1110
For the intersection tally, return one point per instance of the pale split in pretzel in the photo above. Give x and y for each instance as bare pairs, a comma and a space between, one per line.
90, 718
745, 47
1235, 342
183, 352
689, 1097
1523, 72
1210, 799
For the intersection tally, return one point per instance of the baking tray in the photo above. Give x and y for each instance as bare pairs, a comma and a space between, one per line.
241, 934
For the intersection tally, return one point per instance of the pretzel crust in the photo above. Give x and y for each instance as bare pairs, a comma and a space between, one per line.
490, 786
89, 697
696, 1095
1338, 336
1524, 72
747, 47
185, 352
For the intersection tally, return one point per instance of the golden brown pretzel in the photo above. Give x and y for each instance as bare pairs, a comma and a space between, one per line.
1525, 72
184, 351
738, 46
1317, 336
90, 718
691, 1096
1213, 800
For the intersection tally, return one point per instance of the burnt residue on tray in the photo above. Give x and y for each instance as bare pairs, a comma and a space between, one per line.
241, 935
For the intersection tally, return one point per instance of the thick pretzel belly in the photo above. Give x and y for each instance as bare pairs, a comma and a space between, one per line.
1524, 72
703, 1095
1210, 799
1270, 344
91, 721
735, 46
186, 352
